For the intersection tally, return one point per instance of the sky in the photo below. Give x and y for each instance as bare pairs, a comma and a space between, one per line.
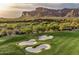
13, 10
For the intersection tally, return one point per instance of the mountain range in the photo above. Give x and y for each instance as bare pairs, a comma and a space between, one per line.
41, 11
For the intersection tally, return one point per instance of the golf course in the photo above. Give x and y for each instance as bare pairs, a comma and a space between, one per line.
63, 43
39, 32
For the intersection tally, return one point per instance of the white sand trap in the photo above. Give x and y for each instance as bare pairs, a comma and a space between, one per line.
44, 46
38, 48
33, 50
29, 42
45, 37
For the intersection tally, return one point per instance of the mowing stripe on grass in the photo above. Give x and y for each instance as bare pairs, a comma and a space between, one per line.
68, 47
75, 49
62, 45
56, 42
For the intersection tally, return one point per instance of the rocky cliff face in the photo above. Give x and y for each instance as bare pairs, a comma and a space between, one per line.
40, 12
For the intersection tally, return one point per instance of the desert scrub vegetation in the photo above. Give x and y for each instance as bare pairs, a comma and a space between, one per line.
38, 25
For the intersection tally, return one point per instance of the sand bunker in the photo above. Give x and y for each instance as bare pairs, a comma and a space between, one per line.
44, 46
45, 37
29, 42
38, 48
33, 50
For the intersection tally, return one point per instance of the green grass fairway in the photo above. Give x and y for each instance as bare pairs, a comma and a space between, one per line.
63, 43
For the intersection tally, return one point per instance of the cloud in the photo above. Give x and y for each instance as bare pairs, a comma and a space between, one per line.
23, 6
31, 6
